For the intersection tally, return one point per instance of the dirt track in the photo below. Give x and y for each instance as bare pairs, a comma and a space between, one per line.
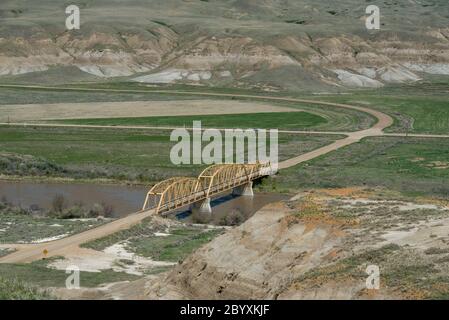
32, 252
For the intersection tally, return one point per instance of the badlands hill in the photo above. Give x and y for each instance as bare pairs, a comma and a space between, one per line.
267, 44
318, 246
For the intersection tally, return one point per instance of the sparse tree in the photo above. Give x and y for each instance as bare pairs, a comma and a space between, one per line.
59, 203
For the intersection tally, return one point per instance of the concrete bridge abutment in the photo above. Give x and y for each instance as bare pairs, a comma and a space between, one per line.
202, 206
244, 190
201, 210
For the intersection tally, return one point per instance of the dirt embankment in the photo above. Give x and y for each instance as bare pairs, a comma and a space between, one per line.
319, 247
256, 260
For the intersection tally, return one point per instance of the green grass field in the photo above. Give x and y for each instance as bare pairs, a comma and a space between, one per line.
414, 112
142, 155
269, 120
335, 119
13, 289
419, 108
140, 239
410, 165
26, 228
39, 274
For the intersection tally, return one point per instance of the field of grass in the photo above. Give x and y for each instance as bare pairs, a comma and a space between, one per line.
141, 155
418, 108
404, 272
278, 120
33, 96
262, 20
336, 119
13, 289
414, 112
175, 247
140, 239
410, 165
26, 228
39, 274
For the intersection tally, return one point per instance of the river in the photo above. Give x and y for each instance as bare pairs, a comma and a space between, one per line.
123, 199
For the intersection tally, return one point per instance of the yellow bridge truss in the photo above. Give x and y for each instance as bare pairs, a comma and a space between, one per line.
178, 192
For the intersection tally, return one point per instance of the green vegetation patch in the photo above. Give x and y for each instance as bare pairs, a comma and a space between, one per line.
268, 120
26, 228
413, 113
404, 272
336, 119
178, 242
175, 247
416, 166
39, 274
13, 289
133, 155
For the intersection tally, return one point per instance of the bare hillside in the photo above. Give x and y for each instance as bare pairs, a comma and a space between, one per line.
318, 246
308, 45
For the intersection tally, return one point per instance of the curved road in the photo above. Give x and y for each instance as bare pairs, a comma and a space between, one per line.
32, 252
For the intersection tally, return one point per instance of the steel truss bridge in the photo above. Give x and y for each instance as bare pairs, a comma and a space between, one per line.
178, 192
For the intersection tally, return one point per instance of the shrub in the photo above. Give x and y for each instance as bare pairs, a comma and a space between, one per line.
234, 218
58, 203
13, 289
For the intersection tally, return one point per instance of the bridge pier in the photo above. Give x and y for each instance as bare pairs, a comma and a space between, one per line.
244, 190
201, 211
202, 207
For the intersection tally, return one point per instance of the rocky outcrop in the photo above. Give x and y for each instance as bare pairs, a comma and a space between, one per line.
100, 54
257, 260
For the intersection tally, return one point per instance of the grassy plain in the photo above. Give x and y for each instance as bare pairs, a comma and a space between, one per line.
417, 108
14, 289
141, 155
336, 119
178, 242
39, 274
269, 120
26, 228
416, 166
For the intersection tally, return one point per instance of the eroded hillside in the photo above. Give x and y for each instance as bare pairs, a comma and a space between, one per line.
318, 246
270, 45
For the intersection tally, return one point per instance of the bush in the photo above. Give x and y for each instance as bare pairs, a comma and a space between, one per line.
23, 165
234, 218
17, 290
58, 203
7, 208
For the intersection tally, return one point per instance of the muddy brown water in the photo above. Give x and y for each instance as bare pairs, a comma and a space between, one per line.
123, 199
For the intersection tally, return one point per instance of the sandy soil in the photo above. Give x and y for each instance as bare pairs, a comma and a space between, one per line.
33, 112
95, 261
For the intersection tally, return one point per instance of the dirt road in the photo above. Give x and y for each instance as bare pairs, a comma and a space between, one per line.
32, 252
